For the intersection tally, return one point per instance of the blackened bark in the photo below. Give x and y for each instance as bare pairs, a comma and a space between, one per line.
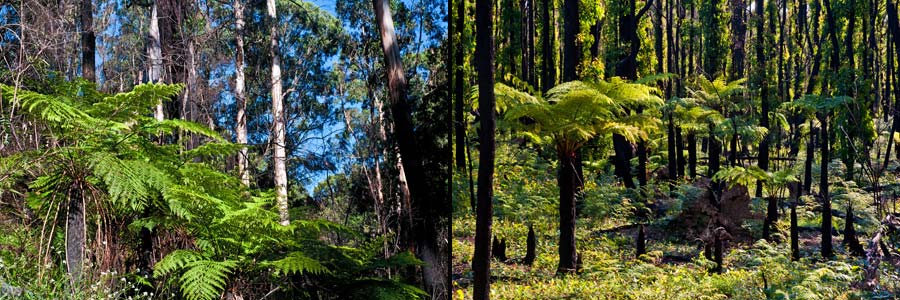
88, 41
771, 217
548, 71
530, 246
795, 242
670, 141
484, 54
827, 252
851, 241
566, 213
460, 122
679, 154
807, 165
571, 51
738, 30
692, 154
763, 92
718, 252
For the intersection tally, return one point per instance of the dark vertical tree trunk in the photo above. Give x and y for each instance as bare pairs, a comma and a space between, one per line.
525, 6
894, 33
530, 246
719, 249
827, 251
679, 155
823, 187
851, 241
88, 42
692, 154
567, 250
670, 141
459, 114
425, 211
484, 48
571, 51
738, 33
548, 71
771, 217
764, 90
595, 47
795, 243
807, 167
627, 68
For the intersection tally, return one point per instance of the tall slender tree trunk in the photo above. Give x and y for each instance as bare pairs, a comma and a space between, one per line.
548, 71
426, 212
155, 52
763, 90
239, 97
484, 54
827, 251
278, 130
88, 41
571, 51
75, 223
567, 251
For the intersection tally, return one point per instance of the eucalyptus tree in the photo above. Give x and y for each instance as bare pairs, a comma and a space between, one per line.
481, 259
572, 114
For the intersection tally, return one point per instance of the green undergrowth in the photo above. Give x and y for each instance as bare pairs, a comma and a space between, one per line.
757, 270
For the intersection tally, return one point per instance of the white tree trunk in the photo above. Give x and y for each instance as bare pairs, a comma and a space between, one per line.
155, 57
240, 98
277, 119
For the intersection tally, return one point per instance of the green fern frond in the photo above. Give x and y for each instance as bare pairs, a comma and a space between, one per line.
58, 110
377, 288
169, 126
138, 102
205, 279
297, 263
130, 183
174, 261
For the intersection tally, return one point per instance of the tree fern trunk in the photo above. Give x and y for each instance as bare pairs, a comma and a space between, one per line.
88, 41
75, 232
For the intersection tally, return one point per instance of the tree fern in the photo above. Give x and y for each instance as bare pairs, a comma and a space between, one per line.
296, 262
205, 279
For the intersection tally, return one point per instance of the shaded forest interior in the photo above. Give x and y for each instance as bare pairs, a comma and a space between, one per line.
675, 149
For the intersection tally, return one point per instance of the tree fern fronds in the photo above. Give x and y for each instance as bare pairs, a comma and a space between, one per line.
138, 102
376, 288
212, 150
297, 263
402, 259
131, 183
53, 109
654, 78
506, 97
205, 279
169, 126
175, 261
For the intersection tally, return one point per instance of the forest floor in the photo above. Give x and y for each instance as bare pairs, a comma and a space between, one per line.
674, 266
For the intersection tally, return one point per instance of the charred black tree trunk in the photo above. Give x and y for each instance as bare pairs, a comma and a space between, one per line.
763, 92
795, 242
827, 252
484, 54
692, 154
566, 213
807, 165
851, 241
771, 217
548, 70
641, 244
530, 246
627, 68
88, 41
